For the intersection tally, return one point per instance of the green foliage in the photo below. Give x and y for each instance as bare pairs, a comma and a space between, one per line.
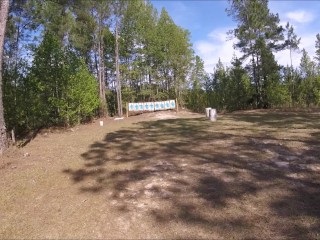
308, 86
73, 67
111, 102
15, 98
58, 90
240, 90
258, 33
316, 91
196, 98
277, 94
81, 100
230, 88
317, 45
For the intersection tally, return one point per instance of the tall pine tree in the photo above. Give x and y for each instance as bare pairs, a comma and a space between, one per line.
4, 9
258, 31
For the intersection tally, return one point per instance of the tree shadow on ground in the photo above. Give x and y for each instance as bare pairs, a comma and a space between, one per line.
211, 175
293, 120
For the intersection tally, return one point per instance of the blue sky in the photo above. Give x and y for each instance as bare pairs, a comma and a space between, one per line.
208, 23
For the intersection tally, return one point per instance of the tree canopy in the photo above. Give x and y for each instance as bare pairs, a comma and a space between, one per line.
67, 61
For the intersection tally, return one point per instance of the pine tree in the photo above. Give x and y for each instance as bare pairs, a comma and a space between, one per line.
119, 9
4, 8
20, 24
220, 82
292, 41
308, 74
240, 90
196, 99
154, 57
317, 56
257, 29
174, 54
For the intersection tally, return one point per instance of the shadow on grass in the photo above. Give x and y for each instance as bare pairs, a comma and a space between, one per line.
208, 175
295, 120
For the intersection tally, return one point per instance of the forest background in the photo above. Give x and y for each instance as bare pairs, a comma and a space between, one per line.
66, 62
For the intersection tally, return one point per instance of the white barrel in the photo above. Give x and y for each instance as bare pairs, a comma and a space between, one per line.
213, 114
208, 112
101, 123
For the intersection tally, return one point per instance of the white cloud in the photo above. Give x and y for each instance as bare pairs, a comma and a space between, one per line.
284, 23
219, 34
283, 58
307, 43
300, 16
214, 47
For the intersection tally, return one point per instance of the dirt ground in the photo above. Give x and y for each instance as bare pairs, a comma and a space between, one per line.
164, 175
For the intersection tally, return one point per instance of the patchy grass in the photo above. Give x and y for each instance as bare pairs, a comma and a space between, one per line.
248, 175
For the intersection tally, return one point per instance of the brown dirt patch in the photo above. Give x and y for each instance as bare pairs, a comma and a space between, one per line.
167, 175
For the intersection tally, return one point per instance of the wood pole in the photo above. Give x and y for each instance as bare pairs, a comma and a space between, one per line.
177, 107
127, 110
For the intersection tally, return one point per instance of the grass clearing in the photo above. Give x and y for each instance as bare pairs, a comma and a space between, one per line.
248, 175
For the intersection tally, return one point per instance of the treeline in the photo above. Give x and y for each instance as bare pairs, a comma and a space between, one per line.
256, 80
67, 61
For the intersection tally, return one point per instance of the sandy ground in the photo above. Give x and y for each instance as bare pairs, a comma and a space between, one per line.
165, 175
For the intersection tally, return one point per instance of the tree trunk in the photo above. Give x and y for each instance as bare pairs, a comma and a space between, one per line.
118, 83
102, 85
255, 81
4, 8
259, 81
291, 78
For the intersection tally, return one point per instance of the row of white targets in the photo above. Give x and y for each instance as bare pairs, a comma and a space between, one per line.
152, 106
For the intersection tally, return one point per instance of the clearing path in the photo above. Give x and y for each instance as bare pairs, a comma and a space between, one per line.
166, 175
